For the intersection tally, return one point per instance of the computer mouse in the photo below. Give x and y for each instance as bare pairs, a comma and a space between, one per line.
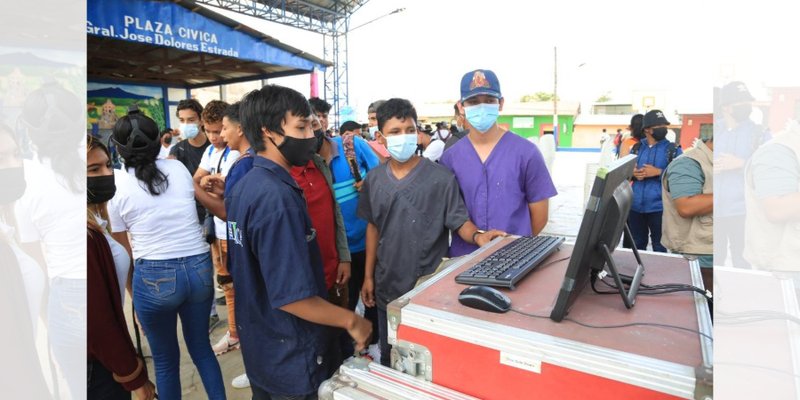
485, 298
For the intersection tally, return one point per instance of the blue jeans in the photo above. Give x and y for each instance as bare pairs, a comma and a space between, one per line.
643, 225
162, 290
66, 322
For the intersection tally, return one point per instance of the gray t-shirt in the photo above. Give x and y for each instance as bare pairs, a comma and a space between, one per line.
413, 216
775, 170
685, 178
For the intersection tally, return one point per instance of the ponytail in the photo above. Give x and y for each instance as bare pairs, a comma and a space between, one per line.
137, 140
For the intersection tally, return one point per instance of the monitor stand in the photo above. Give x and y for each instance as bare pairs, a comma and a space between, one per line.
628, 296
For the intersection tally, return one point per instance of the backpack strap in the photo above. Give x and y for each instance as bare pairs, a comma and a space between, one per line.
348, 143
636, 147
672, 150
221, 158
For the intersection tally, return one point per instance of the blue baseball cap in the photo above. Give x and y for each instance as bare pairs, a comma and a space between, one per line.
478, 82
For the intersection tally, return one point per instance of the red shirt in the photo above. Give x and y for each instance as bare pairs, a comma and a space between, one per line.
320, 207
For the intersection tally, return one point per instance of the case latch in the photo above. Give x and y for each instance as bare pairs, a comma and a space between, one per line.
704, 382
412, 359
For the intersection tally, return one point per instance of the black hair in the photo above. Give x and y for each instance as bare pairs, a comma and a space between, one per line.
140, 152
266, 108
190, 104
395, 108
164, 132
636, 126
350, 126
51, 116
319, 106
232, 112
214, 111
374, 106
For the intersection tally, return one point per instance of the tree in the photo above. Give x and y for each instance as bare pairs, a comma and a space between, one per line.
605, 97
538, 96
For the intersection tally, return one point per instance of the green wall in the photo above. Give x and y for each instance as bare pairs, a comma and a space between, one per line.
565, 138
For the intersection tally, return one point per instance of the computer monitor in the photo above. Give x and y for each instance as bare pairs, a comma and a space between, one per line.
603, 225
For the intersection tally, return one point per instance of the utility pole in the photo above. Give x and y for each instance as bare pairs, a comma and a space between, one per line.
555, 95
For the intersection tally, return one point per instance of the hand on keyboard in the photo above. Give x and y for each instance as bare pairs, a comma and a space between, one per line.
488, 236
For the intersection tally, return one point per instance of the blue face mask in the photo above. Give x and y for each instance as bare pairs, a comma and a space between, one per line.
189, 131
402, 147
482, 116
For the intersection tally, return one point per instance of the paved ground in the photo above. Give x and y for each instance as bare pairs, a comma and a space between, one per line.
230, 363
568, 171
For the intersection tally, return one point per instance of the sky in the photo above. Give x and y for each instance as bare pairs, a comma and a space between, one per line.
682, 48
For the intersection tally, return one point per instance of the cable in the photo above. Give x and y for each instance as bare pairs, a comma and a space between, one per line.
554, 261
658, 289
654, 324
748, 317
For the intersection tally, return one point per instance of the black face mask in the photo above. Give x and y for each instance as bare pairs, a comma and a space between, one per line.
100, 189
659, 133
297, 152
741, 112
13, 182
319, 134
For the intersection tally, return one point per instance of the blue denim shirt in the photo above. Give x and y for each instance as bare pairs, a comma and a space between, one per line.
739, 142
275, 261
647, 192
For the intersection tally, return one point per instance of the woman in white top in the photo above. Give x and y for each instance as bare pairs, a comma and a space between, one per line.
172, 270
22, 284
49, 218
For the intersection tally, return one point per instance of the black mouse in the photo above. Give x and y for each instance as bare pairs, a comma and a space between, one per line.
485, 298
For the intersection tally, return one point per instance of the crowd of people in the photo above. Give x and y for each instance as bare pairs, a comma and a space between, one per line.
311, 236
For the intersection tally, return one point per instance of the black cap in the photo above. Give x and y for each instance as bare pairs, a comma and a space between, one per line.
653, 118
734, 92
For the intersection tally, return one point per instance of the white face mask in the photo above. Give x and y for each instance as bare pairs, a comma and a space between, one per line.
189, 131
372, 130
401, 147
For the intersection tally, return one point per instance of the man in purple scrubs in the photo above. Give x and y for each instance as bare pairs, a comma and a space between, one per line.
503, 177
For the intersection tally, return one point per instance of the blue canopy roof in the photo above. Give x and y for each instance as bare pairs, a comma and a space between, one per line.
183, 43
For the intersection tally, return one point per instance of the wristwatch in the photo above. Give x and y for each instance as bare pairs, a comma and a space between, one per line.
478, 232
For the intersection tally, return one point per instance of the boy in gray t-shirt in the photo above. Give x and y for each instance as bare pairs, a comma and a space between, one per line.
410, 204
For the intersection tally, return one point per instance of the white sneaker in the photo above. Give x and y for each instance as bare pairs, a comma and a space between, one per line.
225, 344
374, 352
241, 382
359, 308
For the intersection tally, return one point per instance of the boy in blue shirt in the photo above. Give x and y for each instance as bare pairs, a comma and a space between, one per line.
283, 317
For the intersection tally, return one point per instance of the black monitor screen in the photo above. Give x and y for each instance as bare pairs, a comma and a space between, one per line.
603, 223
